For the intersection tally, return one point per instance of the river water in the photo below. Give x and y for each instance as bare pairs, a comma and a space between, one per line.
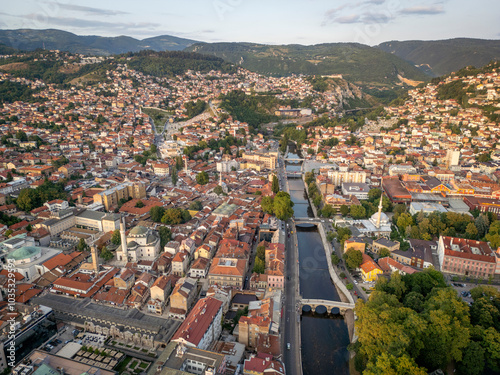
324, 338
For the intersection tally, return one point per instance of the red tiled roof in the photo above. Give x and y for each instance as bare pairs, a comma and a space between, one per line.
196, 324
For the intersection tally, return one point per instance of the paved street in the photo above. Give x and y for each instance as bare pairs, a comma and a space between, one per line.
290, 322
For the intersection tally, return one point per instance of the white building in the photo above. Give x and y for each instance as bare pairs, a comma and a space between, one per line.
202, 326
140, 244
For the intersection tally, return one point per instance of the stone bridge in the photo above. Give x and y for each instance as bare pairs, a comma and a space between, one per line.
334, 307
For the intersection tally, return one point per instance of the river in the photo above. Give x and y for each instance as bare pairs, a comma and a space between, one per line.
324, 338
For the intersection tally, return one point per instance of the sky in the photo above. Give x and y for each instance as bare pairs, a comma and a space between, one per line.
262, 21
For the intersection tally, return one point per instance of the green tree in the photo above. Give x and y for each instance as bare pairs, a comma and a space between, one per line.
28, 199
404, 221
139, 204
388, 364
471, 231
116, 238
384, 252
202, 178
482, 224
473, 360
196, 206
330, 236
259, 266
374, 194
353, 258
21, 136
335, 259
357, 211
261, 252
106, 254
282, 207
165, 236
275, 185
344, 210
267, 205
218, 190
343, 234
82, 246
156, 213
174, 176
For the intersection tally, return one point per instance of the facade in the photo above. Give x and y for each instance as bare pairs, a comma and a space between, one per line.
110, 197
227, 272
180, 359
202, 326
140, 244
257, 322
160, 169
426, 207
359, 190
179, 263
182, 297
419, 255
369, 269
199, 269
384, 243
466, 257
339, 177
356, 243
268, 160
484, 204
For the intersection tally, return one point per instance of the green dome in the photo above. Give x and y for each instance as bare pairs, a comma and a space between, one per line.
138, 231
24, 252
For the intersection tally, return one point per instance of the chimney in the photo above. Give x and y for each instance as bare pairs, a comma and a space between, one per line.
95, 259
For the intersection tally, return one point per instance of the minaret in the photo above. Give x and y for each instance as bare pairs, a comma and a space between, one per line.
95, 259
185, 164
123, 240
220, 178
379, 211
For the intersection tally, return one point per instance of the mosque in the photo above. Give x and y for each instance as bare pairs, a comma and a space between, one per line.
140, 244
378, 225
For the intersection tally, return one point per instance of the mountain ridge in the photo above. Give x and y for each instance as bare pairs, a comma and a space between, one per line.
31, 39
441, 57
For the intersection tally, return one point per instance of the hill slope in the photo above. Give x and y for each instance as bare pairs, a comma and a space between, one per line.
356, 62
29, 40
441, 57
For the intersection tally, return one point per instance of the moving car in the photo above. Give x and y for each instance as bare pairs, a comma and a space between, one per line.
288, 345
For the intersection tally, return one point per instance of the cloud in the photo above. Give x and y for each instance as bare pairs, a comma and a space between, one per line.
361, 12
353, 18
423, 9
90, 24
376, 18
89, 10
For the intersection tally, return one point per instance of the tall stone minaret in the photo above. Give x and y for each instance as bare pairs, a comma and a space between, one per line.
95, 259
379, 211
123, 239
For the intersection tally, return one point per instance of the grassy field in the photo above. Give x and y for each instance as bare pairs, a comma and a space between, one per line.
159, 117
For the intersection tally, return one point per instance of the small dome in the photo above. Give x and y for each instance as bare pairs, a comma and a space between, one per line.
138, 231
384, 219
132, 244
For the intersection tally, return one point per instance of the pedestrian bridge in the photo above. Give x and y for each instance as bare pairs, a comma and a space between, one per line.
334, 307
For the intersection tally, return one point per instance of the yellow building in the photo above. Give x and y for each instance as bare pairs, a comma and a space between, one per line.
268, 159
355, 243
369, 269
110, 197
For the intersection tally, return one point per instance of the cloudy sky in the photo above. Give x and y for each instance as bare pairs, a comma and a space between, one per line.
270, 21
